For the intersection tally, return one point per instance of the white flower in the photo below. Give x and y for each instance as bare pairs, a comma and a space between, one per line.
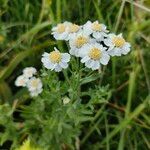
72, 29
55, 60
66, 100
77, 41
21, 81
93, 55
96, 29
117, 45
60, 32
28, 72
34, 86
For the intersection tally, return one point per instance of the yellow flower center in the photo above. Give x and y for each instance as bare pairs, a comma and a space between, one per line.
61, 28
55, 56
96, 26
34, 83
118, 41
73, 28
95, 53
80, 41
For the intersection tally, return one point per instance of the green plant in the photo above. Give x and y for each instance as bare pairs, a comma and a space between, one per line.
119, 115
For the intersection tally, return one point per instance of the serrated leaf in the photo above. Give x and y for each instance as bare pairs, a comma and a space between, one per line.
89, 79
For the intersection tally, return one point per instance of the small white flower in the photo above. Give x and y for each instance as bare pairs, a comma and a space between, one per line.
72, 29
60, 32
21, 81
117, 45
66, 100
96, 29
34, 86
55, 60
77, 41
93, 55
28, 72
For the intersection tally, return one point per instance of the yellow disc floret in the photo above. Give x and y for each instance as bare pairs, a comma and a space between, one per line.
80, 41
96, 26
61, 28
95, 53
34, 83
118, 41
73, 28
55, 56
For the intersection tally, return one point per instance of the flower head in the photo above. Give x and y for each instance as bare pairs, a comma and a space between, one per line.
55, 60
77, 42
72, 29
29, 72
60, 32
21, 81
117, 45
97, 30
93, 55
34, 86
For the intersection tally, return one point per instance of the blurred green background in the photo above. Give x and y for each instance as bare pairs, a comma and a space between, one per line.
25, 32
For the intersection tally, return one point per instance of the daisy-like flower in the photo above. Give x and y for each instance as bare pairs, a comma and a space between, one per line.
98, 30
34, 86
21, 81
28, 72
77, 41
117, 45
60, 32
72, 29
55, 60
93, 55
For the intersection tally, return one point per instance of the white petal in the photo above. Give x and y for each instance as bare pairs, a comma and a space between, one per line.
96, 65
72, 51
44, 59
63, 64
111, 52
87, 30
117, 51
108, 42
105, 58
65, 57
97, 35
126, 48
58, 68
103, 27
84, 59
82, 52
45, 54
89, 63
61, 36
49, 65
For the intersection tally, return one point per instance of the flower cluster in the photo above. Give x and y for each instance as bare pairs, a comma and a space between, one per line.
92, 42
27, 79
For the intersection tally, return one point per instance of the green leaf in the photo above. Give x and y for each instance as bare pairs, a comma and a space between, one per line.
89, 79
